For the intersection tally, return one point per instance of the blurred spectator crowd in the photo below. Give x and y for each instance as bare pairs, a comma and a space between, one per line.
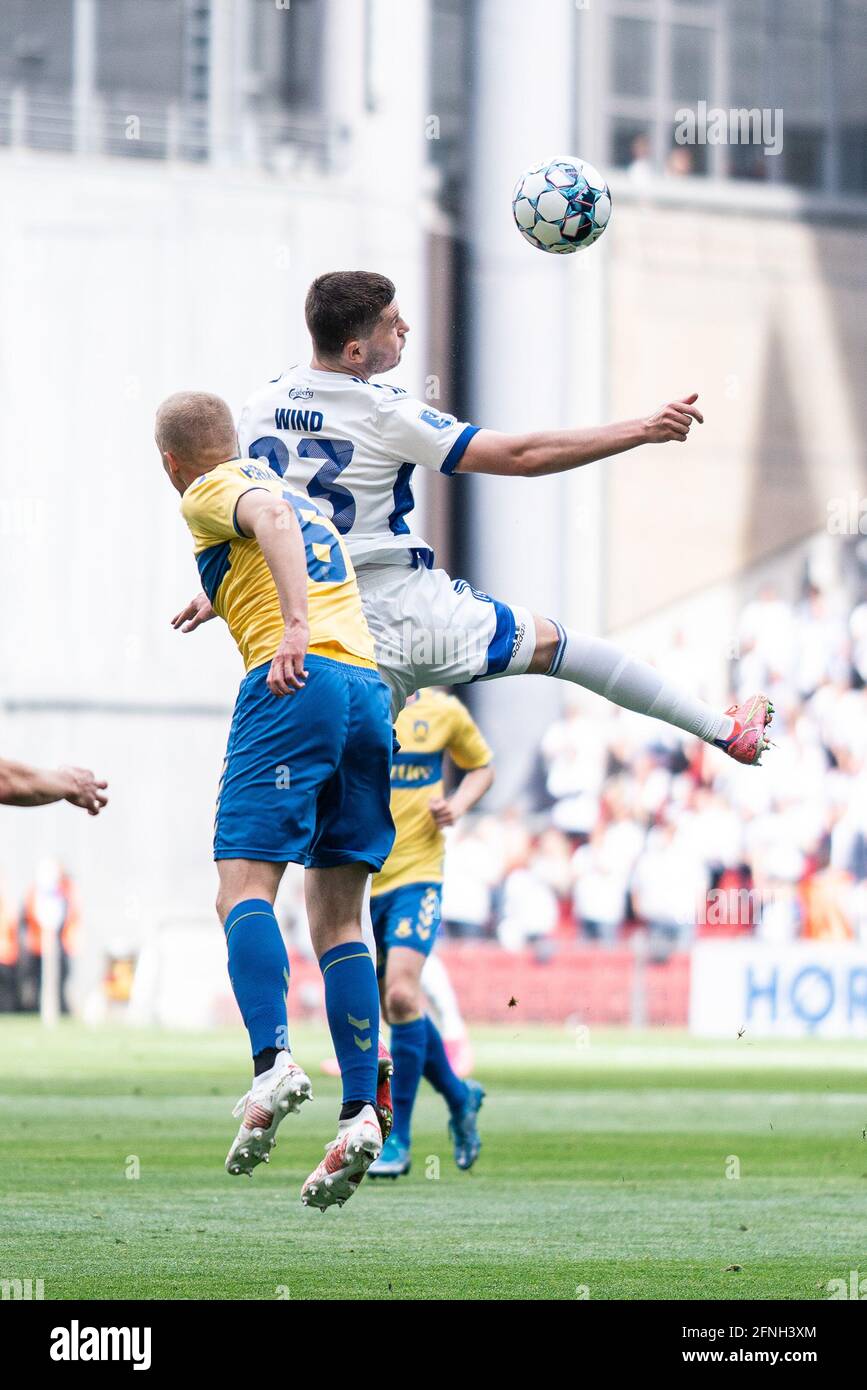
646, 827
50, 907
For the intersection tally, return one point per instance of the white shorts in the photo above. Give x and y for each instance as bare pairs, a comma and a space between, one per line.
432, 630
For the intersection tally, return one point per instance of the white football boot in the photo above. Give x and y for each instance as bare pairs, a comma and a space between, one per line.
273, 1095
347, 1159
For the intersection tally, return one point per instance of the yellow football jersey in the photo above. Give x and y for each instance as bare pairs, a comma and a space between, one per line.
428, 726
237, 580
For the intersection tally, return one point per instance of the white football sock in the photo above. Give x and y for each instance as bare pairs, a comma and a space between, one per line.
440, 991
606, 669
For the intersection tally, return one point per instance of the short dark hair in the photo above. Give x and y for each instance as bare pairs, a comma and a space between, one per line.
344, 304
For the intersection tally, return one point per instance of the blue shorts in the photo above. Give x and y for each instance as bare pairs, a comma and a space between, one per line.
307, 777
408, 916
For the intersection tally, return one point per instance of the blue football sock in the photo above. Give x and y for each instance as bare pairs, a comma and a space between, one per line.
438, 1069
408, 1045
352, 1006
259, 971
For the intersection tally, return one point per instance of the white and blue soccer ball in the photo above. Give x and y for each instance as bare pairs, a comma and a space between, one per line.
561, 205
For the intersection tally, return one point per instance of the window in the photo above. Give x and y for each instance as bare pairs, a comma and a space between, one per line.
691, 71
301, 32
806, 57
853, 157
632, 57
659, 64
632, 144
451, 87
140, 48
36, 44
36, 73
803, 149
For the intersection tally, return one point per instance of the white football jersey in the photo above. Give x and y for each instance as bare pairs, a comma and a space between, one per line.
352, 446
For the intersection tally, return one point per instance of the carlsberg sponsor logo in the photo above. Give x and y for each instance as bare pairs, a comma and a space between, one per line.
77, 1343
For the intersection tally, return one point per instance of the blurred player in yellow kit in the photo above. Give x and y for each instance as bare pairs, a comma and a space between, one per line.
405, 912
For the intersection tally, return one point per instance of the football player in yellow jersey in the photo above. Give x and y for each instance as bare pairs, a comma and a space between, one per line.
306, 777
405, 911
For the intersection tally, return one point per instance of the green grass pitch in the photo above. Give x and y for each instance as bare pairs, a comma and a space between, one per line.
603, 1173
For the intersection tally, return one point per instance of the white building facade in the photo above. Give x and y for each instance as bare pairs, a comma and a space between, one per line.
175, 172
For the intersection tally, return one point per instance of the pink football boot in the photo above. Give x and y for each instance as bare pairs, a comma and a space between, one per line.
746, 743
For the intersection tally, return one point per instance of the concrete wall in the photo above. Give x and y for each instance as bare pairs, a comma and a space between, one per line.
764, 313
121, 281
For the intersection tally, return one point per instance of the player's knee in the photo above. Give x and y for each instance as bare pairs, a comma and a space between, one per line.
225, 902
402, 1001
325, 935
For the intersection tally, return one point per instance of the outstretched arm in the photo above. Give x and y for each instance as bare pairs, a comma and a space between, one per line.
275, 526
558, 451
21, 785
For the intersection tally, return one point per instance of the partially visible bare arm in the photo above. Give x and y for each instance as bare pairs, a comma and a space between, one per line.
446, 810
21, 785
197, 611
558, 451
275, 526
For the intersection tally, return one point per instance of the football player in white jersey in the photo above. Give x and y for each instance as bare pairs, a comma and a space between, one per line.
353, 443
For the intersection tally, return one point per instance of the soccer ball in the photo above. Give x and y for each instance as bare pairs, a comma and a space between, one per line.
562, 205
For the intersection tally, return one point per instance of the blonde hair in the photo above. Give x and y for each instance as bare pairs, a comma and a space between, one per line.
196, 427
